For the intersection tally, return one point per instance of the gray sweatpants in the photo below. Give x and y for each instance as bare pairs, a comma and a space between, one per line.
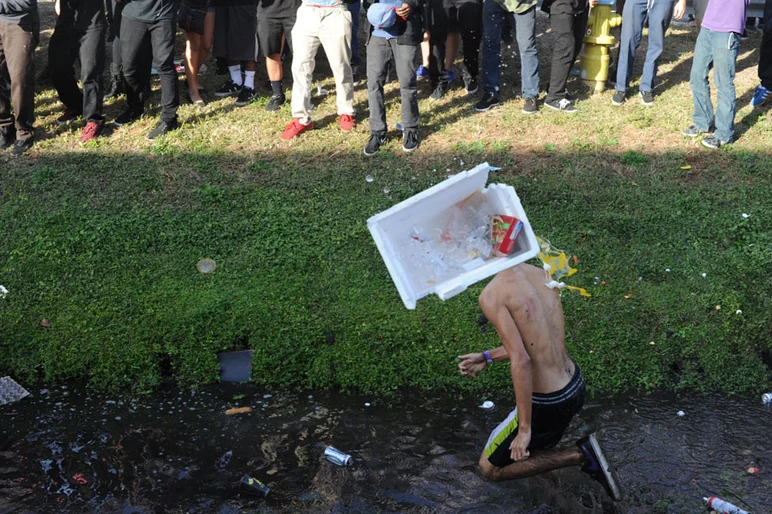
379, 52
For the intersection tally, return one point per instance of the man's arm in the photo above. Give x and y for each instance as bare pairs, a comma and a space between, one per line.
473, 363
520, 367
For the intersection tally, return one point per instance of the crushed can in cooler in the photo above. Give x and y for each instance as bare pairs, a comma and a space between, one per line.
724, 507
337, 457
254, 486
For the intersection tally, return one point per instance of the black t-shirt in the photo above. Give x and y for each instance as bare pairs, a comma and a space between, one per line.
278, 8
150, 10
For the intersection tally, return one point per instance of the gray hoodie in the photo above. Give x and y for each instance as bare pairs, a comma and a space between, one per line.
19, 11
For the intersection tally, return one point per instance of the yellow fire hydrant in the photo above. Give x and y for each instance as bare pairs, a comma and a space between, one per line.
595, 56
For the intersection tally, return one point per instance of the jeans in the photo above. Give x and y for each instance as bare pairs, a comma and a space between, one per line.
17, 63
568, 28
494, 18
633, 16
720, 49
379, 53
354, 8
765, 58
161, 33
79, 34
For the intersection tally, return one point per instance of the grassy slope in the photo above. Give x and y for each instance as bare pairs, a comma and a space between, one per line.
103, 241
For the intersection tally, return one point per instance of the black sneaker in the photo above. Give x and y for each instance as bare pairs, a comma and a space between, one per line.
713, 142
470, 83
598, 467
439, 91
374, 143
618, 98
693, 131
275, 103
7, 137
647, 98
229, 88
561, 104
163, 127
21, 146
410, 140
530, 106
487, 102
68, 116
116, 86
130, 115
246, 96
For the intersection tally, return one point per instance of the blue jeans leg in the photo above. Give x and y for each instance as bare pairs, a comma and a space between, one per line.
725, 49
633, 16
698, 81
660, 14
354, 8
493, 20
525, 25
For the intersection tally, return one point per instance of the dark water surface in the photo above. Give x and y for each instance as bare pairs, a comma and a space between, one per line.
73, 450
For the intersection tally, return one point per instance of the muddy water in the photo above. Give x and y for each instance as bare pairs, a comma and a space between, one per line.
72, 450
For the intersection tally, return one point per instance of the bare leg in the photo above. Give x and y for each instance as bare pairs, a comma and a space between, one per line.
451, 49
273, 64
192, 60
426, 50
538, 462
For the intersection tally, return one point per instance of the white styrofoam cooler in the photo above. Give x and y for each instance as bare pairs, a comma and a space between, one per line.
394, 225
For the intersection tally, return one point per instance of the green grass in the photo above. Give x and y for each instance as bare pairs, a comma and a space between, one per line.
103, 243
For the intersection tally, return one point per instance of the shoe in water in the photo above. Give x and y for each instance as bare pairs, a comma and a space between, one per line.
598, 467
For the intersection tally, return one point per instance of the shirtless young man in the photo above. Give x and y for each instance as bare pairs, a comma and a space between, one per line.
549, 387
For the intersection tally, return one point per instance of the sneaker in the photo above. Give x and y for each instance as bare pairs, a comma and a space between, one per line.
374, 143
760, 95
116, 86
470, 83
7, 137
422, 72
618, 98
693, 131
275, 103
647, 97
228, 88
561, 104
439, 91
487, 102
530, 106
598, 467
246, 96
69, 115
130, 115
713, 142
451, 76
346, 122
410, 140
295, 128
91, 131
20, 146
163, 128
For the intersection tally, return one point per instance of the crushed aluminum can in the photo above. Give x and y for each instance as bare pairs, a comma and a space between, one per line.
766, 398
337, 457
254, 486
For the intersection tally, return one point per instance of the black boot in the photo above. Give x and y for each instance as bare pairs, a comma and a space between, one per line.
116, 87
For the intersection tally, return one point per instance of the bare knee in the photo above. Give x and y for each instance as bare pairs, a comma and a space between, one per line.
488, 470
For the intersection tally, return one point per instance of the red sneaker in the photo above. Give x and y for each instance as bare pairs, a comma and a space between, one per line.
347, 122
91, 131
295, 128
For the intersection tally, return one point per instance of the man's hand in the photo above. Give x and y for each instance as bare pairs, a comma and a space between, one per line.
404, 11
593, 3
679, 10
471, 364
519, 446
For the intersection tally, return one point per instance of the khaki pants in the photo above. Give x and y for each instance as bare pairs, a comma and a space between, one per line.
330, 26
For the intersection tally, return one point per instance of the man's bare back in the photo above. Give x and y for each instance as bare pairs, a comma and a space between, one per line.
538, 314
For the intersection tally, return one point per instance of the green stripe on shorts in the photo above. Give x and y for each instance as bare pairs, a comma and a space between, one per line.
501, 432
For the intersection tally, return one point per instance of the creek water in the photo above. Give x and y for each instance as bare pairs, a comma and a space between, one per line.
74, 450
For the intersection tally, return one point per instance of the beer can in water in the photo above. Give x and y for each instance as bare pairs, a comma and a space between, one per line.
254, 486
766, 398
337, 457
724, 507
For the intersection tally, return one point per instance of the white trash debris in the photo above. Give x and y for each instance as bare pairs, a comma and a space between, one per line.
681, 413
487, 404
10, 391
3, 292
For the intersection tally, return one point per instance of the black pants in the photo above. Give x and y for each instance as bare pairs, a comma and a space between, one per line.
568, 28
79, 34
464, 16
134, 37
116, 66
765, 59
17, 68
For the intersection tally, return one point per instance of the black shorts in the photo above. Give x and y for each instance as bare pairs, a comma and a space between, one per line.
270, 30
550, 415
235, 32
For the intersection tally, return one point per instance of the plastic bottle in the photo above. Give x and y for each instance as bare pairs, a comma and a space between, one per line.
724, 507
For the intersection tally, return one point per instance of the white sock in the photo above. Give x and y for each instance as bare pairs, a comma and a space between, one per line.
249, 79
236, 74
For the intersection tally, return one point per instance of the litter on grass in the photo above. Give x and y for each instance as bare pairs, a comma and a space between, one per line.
10, 391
